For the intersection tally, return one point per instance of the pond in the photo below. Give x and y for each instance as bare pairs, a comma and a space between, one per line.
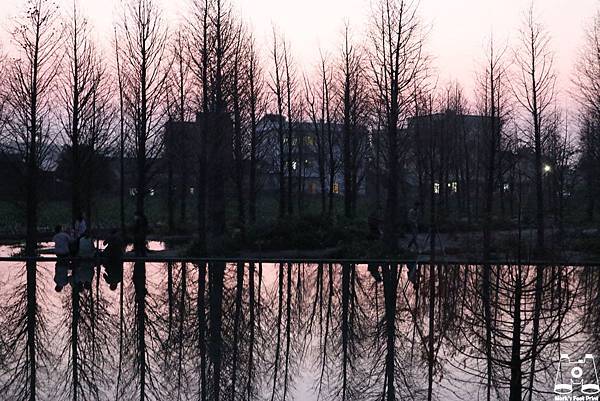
304, 331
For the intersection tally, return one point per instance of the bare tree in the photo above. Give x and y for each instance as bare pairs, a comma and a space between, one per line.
122, 138
29, 88
560, 150
3, 92
29, 93
534, 90
290, 87
587, 94
87, 117
396, 62
492, 104
239, 94
78, 86
277, 87
329, 133
355, 108
144, 40
315, 104
179, 96
200, 43
257, 103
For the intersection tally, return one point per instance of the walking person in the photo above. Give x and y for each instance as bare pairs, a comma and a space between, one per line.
414, 215
61, 248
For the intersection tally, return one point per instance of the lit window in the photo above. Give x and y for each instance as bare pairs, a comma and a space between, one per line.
151, 191
294, 165
436, 187
506, 187
192, 190
453, 186
336, 188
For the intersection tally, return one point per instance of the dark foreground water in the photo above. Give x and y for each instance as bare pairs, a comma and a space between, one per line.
250, 331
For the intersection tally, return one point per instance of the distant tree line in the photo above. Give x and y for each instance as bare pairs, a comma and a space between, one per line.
370, 100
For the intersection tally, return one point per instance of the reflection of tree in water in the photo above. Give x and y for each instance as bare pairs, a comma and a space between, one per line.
590, 311
337, 325
458, 331
285, 343
513, 325
25, 338
87, 355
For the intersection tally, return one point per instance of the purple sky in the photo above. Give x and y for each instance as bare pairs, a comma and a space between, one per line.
459, 29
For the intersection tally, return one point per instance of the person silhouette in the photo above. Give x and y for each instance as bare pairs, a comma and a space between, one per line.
140, 230
113, 255
413, 220
80, 226
61, 249
86, 251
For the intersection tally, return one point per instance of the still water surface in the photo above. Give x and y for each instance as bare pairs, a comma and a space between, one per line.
304, 332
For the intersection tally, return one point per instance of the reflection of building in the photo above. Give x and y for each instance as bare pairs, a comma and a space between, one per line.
309, 140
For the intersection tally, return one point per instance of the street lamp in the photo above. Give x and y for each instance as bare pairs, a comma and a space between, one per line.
547, 168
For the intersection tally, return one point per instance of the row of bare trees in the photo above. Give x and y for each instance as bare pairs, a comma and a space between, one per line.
360, 101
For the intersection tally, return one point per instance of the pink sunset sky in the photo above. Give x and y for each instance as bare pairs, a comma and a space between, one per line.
458, 29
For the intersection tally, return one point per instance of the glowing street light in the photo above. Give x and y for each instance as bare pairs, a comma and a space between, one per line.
547, 168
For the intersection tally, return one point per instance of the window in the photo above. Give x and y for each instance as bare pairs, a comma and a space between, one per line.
453, 186
436, 187
151, 191
191, 190
294, 165
132, 191
506, 187
336, 188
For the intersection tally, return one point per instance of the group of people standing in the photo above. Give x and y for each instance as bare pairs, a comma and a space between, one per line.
76, 253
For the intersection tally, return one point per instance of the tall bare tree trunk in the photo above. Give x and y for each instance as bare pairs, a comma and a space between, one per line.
239, 289
278, 343
252, 322
390, 280
516, 384
201, 317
